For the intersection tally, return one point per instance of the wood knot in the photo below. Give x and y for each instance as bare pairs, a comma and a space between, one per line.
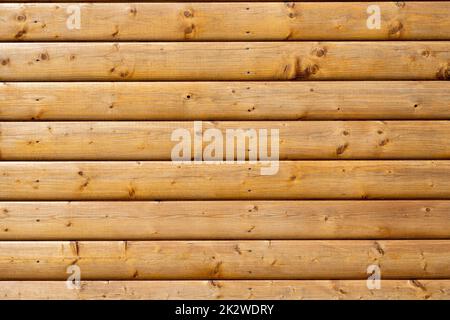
341, 149
290, 4
20, 34
217, 267
21, 18
291, 11
320, 52
5, 62
116, 32
395, 27
189, 29
133, 11
188, 13
426, 53
215, 284
308, 71
378, 248
418, 284
443, 73
44, 56
313, 69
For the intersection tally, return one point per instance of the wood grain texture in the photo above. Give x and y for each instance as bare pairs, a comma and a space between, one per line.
171, 1
78, 190
225, 21
224, 220
199, 260
225, 100
425, 60
297, 140
169, 181
422, 289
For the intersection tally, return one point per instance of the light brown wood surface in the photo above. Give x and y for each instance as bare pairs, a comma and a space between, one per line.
297, 140
169, 181
224, 21
307, 100
422, 289
171, 1
197, 260
224, 220
86, 117
424, 60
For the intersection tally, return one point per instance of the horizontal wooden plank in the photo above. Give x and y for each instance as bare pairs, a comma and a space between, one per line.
224, 220
169, 181
174, 1
225, 21
152, 140
229, 290
425, 60
225, 100
198, 260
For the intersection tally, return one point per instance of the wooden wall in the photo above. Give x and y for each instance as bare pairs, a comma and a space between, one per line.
86, 177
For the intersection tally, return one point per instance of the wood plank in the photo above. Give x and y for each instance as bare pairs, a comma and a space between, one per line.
224, 21
152, 140
199, 260
167, 181
228, 290
170, 1
225, 100
224, 220
425, 60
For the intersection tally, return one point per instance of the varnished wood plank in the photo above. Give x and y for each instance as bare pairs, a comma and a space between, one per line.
225, 21
174, 1
224, 220
426, 60
152, 140
229, 290
225, 100
198, 260
167, 180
